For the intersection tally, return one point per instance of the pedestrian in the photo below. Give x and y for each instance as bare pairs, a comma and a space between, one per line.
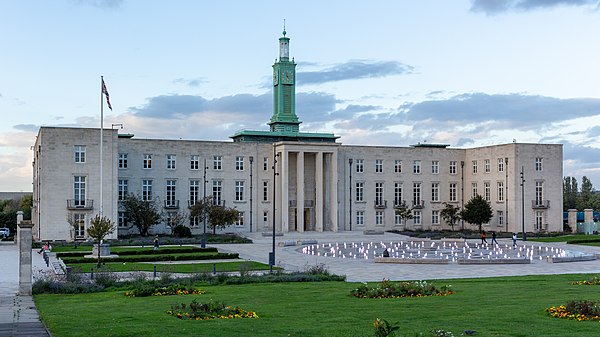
483, 236
386, 253
45, 248
514, 237
156, 243
494, 238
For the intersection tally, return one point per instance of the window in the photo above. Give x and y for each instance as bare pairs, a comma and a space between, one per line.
500, 164
360, 165
239, 190
217, 191
217, 160
452, 167
240, 220
79, 153
486, 191
500, 216
378, 165
265, 218
487, 165
501, 191
265, 163
79, 219
265, 191
398, 194
121, 220
539, 192
474, 190
194, 162
170, 201
397, 219
539, 220
147, 161
122, 188
146, 190
474, 163
359, 191
538, 163
417, 218
360, 218
397, 166
453, 195
79, 191
172, 219
435, 217
416, 194
417, 167
379, 194
239, 163
435, 192
171, 159
379, 218
194, 192
435, 167
122, 160
194, 221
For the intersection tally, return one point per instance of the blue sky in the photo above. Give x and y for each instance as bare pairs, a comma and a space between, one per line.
463, 72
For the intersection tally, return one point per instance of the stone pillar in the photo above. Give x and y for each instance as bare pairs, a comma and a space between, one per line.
319, 195
572, 220
588, 215
19, 220
285, 191
333, 187
300, 192
25, 239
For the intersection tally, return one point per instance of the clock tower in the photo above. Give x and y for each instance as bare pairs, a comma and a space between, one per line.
284, 117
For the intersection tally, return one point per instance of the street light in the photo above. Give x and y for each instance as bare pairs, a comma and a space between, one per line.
350, 218
523, 205
251, 160
462, 191
203, 241
272, 254
506, 191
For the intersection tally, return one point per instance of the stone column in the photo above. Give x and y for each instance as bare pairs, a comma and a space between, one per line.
572, 220
588, 215
319, 195
285, 191
333, 187
300, 191
25, 239
19, 220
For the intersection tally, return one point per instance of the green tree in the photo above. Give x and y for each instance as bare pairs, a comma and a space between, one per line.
100, 227
25, 205
570, 192
405, 214
218, 216
450, 214
477, 211
585, 198
140, 213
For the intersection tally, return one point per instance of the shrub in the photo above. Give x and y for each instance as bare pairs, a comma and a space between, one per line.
384, 329
210, 310
181, 231
389, 289
158, 257
581, 310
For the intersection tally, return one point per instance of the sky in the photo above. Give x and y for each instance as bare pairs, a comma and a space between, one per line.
389, 72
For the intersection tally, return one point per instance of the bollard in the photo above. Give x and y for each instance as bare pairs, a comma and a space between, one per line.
154, 271
92, 270
214, 269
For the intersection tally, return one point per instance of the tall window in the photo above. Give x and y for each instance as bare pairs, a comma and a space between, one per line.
379, 193
240, 220
474, 163
452, 167
417, 218
539, 220
487, 165
378, 165
359, 191
486, 191
360, 218
121, 220
474, 190
239, 163
501, 191
79, 191
122, 189
435, 217
217, 161
417, 167
416, 194
265, 163
435, 167
265, 191
500, 216
122, 160
171, 161
397, 166
538, 163
265, 218
539, 192
379, 216
79, 153
397, 219
79, 219
217, 191
194, 192
500, 164
435, 192
194, 221
147, 190
398, 194
170, 200
194, 162
239, 190
147, 161
360, 165
172, 219
453, 195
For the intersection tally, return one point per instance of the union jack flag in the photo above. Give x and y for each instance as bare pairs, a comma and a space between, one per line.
105, 92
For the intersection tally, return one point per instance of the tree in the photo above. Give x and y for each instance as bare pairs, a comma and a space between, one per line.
569, 193
218, 216
100, 227
25, 205
405, 214
450, 214
585, 199
142, 214
477, 211
75, 224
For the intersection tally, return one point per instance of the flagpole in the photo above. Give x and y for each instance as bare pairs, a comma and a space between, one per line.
101, 143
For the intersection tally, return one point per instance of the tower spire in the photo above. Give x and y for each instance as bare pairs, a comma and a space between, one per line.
284, 27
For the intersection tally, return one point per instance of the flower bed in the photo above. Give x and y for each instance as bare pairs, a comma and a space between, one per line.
577, 310
211, 310
589, 282
388, 289
144, 291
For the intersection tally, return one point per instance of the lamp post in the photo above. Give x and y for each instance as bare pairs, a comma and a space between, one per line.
251, 160
506, 191
112, 161
203, 242
462, 192
350, 205
272, 255
523, 205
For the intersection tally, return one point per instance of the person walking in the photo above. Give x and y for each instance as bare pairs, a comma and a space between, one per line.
494, 238
514, 238
156, 243
483, 236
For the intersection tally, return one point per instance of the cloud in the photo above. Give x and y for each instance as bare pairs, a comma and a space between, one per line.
111, 4
492, 7
190, 82
355, 69
27, 127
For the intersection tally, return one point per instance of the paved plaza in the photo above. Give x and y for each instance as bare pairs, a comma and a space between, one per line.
19, 317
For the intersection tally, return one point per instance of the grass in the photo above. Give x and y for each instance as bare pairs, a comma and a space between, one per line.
562, 238
173, 268
506, 306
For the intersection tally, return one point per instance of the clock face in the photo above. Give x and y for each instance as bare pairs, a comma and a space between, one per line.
288, 77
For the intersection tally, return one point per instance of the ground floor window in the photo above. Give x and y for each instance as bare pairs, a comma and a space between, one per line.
360, 218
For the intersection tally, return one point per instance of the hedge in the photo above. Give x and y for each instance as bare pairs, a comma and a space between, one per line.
150, 258
161, 251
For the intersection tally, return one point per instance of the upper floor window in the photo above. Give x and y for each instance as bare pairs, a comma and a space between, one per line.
538, 163
487, 165
359, 191
398, 166
435, 192
417, 167
474, 162
500, 191
435, 167
500, 164
265, 163
146, 190
239, 163
217, 161
486, 191
453, 195
171, 161
265, 191
194, 162
122, 160
452, 167
474, 191
147, 161
79, 153
378, 165
122, 189
360, 165
239, 191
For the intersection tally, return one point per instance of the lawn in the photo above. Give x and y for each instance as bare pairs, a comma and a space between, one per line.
507, 306
173, 268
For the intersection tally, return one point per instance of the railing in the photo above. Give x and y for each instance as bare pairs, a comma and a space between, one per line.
418, 204
75, 204
172, 204
380, 204
540, 203
400, 204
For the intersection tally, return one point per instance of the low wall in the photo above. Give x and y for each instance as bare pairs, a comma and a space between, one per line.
410, 260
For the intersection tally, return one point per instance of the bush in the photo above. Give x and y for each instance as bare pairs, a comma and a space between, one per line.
156, 257
389, 289
182, 232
